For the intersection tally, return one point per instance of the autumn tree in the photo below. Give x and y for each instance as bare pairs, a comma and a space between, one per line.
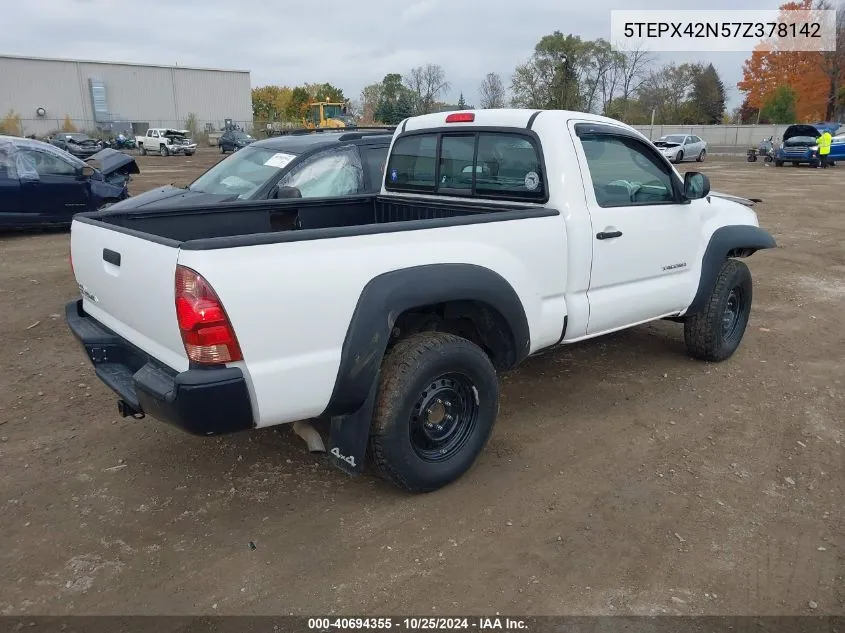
269, 103
812, 75
492, 92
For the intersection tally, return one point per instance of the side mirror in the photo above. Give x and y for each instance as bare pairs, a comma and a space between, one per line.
280, 193
87, 171
696, 185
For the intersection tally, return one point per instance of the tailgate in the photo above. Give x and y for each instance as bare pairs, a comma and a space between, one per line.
127, 284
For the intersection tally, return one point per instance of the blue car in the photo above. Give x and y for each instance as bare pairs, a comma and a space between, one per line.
42, 185
800, 145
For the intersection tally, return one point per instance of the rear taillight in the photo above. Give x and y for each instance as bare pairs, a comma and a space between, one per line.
206, 331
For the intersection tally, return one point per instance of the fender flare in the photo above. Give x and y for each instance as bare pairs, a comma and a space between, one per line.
726, 241
390, 294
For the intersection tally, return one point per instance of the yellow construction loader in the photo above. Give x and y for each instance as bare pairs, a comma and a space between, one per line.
327, 114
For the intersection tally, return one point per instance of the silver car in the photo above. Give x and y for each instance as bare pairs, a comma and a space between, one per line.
681, 147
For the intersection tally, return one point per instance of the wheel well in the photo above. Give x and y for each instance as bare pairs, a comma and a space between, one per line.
741, 251
475, 321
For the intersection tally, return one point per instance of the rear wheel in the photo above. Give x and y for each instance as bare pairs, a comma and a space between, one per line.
436, 405
715, 333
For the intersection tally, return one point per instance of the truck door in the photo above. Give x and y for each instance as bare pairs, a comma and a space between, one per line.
645, 238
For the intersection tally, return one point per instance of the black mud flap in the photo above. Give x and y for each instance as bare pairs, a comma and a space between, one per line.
349, 436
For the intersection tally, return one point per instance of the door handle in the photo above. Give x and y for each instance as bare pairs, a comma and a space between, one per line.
608, 235
112, 257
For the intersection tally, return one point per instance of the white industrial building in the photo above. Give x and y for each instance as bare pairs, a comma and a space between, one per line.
107, 95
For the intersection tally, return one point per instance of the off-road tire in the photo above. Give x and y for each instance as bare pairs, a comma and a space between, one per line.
410, 371
705, 336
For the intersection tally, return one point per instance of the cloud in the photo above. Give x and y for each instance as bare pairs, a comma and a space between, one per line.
348, 44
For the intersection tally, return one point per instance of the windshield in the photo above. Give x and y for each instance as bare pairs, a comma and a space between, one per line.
332, 111
241, 136
243, 173
76, 137
673, 138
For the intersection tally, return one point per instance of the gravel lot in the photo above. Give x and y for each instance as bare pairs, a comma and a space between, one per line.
622, 477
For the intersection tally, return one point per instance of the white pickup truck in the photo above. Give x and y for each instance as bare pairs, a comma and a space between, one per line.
496, 234
166, 141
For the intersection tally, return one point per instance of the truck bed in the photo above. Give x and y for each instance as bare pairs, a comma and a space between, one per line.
244, 223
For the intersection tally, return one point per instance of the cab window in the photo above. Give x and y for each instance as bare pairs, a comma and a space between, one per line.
625, 172
502, 165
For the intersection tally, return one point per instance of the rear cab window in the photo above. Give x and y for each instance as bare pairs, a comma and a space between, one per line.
482, 164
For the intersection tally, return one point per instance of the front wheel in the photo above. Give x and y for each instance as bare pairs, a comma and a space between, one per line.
778, 163
222, 150
714, 333
435, 409
679, 157
143, 150
164, 151
701, 156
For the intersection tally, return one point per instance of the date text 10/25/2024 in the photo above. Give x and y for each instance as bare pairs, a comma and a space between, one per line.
418, 624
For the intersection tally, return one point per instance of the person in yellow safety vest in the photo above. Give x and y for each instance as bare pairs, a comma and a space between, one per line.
824, 148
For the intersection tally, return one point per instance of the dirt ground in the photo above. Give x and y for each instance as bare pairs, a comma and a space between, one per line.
622, 477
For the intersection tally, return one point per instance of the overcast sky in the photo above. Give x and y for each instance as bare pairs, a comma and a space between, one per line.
349, 44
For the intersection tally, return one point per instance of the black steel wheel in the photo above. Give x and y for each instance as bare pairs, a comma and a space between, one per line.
732, 316
436, 406
715, 332
444, 416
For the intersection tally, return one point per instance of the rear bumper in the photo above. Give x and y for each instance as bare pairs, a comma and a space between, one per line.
200, 401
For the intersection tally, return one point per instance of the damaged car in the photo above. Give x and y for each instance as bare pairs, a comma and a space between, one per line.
166, 141
42, 185
76, 143
800, 145
680, 147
